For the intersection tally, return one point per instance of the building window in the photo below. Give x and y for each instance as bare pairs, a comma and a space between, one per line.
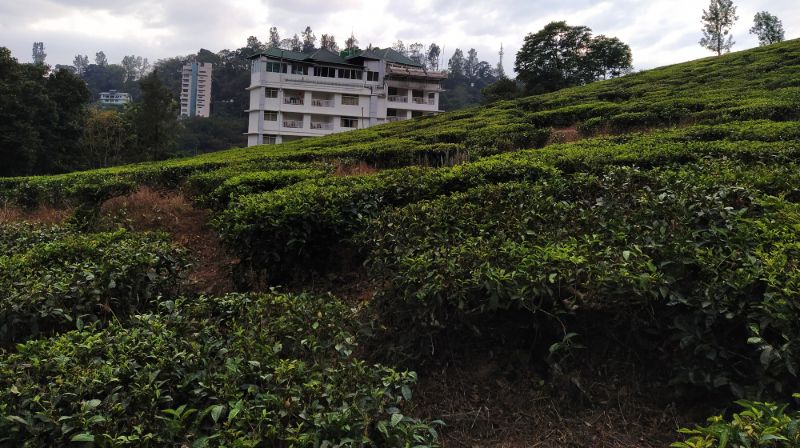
298, 69
372, 76
272, 93
349, 100
276, 67
270, 116
270, 139
325, 72
349, 73
349, 122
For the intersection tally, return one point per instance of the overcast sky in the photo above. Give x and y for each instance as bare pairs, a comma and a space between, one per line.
660, 32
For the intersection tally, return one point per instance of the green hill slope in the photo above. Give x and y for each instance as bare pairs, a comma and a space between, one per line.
652, 220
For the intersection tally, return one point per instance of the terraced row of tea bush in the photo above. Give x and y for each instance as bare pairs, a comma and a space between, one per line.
54, 279
108, 352
756, 84
299, 228
693, 256
240, 370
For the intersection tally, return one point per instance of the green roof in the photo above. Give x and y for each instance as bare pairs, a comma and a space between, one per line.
388, 54
317, 56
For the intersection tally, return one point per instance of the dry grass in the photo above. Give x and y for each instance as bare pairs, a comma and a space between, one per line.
152, 210
10, 213
564, 135
359, 168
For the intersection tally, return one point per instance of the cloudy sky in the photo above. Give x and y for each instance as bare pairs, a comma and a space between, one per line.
659, 31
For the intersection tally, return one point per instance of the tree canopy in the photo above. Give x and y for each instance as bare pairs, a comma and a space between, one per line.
768, 28
718, 20
561, 55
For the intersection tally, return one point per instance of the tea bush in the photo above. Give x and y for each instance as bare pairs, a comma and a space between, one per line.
712, 259
54, 279
757, 424
302, 225
242, 370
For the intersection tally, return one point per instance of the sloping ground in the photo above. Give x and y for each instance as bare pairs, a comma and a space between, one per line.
591, 267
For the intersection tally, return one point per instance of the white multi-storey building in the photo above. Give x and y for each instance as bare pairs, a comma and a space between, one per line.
196, 89
295, 95
113, 97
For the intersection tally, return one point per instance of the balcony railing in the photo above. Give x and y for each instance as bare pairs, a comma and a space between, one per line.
393, 119
421, 100
293, 100
322, 125
398, 98
292, 124
321, 103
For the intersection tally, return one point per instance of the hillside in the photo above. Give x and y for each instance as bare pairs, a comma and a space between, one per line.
597, 266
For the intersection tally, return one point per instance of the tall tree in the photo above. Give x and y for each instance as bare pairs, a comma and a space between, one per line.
70, 96
717, 23
433, 56
415, 53
400, 47
309, 40
38, 53
154, 118
456, 64
551, 58
106, 139
471, 64
351, 43
607, 57
274, 38
132, 65
768, 28
40, 117
80, 63
328, 41
100, 59
254, 45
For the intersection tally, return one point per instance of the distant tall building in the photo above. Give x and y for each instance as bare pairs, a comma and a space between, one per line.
196, 89
115, 98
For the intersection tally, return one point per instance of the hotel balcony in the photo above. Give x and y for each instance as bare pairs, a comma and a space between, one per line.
295, 124
322, 103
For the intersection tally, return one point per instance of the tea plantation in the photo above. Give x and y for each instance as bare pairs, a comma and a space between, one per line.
660, 211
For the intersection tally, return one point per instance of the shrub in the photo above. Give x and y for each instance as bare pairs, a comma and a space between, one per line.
710, 260
54, 279
757, 424
242, 370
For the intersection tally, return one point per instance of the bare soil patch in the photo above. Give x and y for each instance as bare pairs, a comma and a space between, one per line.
151, 210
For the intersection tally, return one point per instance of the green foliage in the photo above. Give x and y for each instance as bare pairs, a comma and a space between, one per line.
757, 424
768, 28
40, 117
561, 56
304, 223
54, 279
154, 119
241, 370
718, 20
701, 252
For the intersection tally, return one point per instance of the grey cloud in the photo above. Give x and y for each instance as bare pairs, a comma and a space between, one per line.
659, 32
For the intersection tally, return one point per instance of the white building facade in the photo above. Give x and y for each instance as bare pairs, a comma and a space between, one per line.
295, 95
112, 97
196, 89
